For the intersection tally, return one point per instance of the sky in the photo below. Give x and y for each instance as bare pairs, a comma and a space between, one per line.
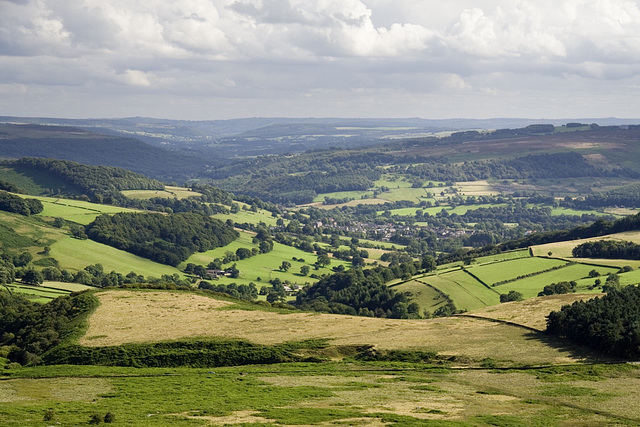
220, 59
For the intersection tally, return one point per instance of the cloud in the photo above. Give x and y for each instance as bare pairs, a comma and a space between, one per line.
297, 50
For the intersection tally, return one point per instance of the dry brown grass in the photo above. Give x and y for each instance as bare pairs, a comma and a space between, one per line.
563, 249
48, 389
531, 312
136, 317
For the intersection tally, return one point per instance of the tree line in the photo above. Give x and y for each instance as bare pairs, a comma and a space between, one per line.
609, 324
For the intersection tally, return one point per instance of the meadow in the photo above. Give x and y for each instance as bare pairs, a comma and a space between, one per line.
465, 291
264, 267
357, 394
511, 269
169, 192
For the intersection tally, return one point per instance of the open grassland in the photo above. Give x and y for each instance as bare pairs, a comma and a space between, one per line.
168, 193
567, 211
74, 254
531, 312
465, 291
563, 249
139, 317
76, 211
35, 293
424, 295
476, 188
508, 270
531, 286
247, 216
504, 256
355, 394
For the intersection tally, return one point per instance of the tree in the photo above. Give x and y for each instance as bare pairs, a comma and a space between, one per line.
304, 270
78, 232
32, 277
323, 260
286, 265
511, 296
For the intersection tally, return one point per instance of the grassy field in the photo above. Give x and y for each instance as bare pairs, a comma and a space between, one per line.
243, 216
563, 249
137, 317
530, 286
426, 296
355, 394
519, 253
465, 291
497, 272
75, 254
264, 267
76, 210
168, 193
531, 312
35, 293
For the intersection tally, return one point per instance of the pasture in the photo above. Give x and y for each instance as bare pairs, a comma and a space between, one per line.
465, 291
77, 211
531, 312
509, 270
263, 267
425, 296
168, 193
530, 286
74, 254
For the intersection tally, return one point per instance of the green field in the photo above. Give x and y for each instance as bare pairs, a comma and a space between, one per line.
75, 254
530, 286
427, 297
169, 193
247, 216
265, 266
36, 293
76, 210
356, 394
465, 291
508, 270
505, 256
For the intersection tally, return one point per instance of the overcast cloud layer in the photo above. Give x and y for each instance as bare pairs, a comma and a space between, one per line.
212, 59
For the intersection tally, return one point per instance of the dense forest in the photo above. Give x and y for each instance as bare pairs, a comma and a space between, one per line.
101, 183
79, 145
167, 239
610, 324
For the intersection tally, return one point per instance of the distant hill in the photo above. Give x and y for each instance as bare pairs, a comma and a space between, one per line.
78, 145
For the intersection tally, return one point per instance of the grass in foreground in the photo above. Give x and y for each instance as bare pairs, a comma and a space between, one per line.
322, 394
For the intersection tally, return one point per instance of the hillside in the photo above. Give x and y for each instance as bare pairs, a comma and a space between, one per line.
90, 148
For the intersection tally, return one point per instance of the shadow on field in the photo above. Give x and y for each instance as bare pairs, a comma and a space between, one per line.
580, 353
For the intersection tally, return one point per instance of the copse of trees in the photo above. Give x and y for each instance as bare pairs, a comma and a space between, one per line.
363, 292
15, 204
608, 324
167, 239
609, 249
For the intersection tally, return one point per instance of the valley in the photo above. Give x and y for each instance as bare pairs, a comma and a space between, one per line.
399, 280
